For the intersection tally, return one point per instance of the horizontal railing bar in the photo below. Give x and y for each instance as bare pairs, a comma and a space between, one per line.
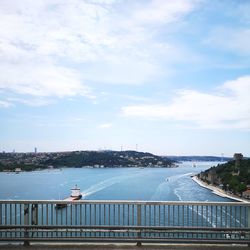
145, 240
180, 232
125, 227
204, 233
246, 204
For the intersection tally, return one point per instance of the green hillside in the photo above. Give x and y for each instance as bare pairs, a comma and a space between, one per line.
231, 176
97, 159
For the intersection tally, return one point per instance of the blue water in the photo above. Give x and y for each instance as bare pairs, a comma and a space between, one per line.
159, 184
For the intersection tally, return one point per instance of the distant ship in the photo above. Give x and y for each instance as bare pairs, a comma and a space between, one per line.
75, 195
18, 170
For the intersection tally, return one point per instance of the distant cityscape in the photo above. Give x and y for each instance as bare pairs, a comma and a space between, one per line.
94, 159
13, 161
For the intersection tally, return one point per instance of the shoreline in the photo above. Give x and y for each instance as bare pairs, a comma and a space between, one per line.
217, 191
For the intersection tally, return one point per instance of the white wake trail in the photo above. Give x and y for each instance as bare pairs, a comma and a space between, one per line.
100, 186
105, 184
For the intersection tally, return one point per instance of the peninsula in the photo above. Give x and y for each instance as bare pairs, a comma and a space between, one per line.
231, 179
93, 159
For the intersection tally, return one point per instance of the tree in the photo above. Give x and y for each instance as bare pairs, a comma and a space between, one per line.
241, 188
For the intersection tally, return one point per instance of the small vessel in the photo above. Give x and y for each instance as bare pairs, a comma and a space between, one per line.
18, 170
75, 195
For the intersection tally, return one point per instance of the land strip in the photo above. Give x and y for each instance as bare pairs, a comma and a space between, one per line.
218, 191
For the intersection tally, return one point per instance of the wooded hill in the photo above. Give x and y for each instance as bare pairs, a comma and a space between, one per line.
97, 159
231, 176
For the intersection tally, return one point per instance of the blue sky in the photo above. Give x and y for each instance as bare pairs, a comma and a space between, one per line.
172, 77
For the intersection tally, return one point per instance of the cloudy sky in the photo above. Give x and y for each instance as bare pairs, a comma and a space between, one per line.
167, 77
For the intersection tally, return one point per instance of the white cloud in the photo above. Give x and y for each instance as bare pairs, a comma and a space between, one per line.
164, 11
105, 125
53, 47
31, 35
35, 102
227, 107
5, 104
41, 80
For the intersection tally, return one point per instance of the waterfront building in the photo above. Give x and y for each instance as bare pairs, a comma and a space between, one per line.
246, 194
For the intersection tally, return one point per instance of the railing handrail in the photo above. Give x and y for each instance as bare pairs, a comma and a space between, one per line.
127, 202
114, 227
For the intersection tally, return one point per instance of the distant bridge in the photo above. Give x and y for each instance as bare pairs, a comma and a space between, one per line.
124, 221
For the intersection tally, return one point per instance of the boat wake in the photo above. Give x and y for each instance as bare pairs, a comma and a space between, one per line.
99, 186
165, 188
160, 192
104, 184
176, 177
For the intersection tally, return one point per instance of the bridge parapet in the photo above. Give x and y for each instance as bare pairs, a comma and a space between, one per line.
125, 221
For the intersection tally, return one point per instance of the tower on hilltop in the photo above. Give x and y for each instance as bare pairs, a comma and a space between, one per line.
238, 157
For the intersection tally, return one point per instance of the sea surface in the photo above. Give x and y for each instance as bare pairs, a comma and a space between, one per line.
156, 184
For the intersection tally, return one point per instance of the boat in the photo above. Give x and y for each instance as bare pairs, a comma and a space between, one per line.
18, 170
75, 195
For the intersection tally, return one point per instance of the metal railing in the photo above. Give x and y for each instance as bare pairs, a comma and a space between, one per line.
125, 221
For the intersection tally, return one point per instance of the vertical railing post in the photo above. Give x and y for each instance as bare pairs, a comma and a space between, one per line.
34, 216
248, 216
34, 213
139, 224
248, 223
26, 223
